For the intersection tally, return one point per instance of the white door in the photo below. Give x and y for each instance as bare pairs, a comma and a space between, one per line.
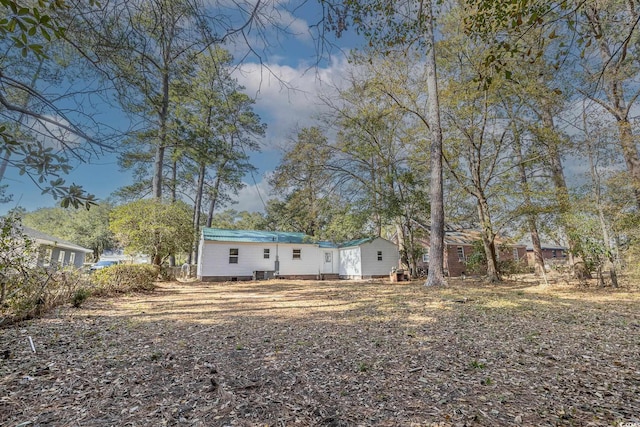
328, 263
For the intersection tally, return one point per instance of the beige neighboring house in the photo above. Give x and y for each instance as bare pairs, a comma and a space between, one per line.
55, 252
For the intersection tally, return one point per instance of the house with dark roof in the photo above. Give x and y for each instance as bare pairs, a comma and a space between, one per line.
55, 252
551, 253
459, 245
231, 255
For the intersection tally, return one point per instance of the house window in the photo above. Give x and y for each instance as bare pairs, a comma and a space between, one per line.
460, 253
61, 259
233, 255
327, 257
297, 254
72, 258
47, 254
554, 253
516, 256
425, 258
379, 255
267, 253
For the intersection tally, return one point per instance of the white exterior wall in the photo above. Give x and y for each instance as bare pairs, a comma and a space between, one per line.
369, 253
350, 262
213, 259
312, 260
353, 262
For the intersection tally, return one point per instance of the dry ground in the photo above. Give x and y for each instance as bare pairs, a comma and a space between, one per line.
282, 353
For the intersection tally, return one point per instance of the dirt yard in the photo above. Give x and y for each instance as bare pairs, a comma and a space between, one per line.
329, 354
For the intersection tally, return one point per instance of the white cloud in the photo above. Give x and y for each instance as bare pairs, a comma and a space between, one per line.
287, 97
287, 100
252, 197
51, 132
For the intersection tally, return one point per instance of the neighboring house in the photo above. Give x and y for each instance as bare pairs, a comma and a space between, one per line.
365, 258
230, 255
552, 254
53, 251
459, 245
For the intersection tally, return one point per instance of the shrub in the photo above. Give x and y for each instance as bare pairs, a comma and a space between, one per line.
168, 274
510, 267
41, 290
79, 296
124, 278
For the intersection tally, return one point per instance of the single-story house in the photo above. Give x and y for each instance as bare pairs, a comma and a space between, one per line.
459, 245
55, 252
551, 253
230, 255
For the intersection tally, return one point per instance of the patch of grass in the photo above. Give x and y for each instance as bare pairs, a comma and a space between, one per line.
477, 365
363, 367
532, 336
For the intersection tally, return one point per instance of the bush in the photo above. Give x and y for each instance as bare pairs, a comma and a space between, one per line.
79, 296
510, 267
168, 274
41, 290
124, 278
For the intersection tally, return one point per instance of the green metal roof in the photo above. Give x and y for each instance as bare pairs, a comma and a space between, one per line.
254, 236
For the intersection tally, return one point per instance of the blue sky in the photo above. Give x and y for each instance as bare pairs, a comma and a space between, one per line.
289, 58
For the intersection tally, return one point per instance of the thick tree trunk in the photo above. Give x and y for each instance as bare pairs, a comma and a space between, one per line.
157, 174
197, 209
174, 181
413, 253
404, 259
174, 197
603, 224
436, 238
158, 162
493, 273
538, 259
214, 200
562, 196
616, 76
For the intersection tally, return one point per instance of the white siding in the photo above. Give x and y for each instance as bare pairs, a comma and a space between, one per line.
214, 259
353, 262
369, 253
311, 260
350, 262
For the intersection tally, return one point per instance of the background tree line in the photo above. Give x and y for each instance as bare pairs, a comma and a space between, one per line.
477, 125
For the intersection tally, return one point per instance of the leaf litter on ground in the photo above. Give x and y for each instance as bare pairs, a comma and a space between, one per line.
342, 353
